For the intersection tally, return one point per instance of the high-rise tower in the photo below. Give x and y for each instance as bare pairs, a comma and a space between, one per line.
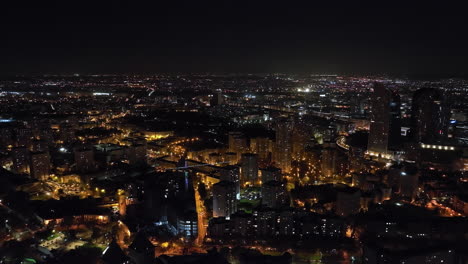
283, 147
385, 126
430, 116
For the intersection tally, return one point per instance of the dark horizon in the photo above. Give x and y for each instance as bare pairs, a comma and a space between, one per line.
343, 38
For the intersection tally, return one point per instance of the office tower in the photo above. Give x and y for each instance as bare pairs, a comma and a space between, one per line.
394, 133
20, 156
329, 160
348, 201
237, 143
274, 194
84, 159
385, 126
249, 169
271, 174
429, 116
283, 146
224, 199
187, 224
261, 146
40, 165
232, 174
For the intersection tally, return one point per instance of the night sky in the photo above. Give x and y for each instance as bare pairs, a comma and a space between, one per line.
349, 37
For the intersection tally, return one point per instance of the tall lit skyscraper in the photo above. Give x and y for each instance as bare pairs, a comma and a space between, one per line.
430, 116
385, 126
283, 147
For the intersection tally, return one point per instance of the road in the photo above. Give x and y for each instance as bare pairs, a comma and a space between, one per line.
202, 219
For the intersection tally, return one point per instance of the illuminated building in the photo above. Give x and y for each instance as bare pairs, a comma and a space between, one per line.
329, 160
232, 173
300, 136
237, 143
218, 227
283, 145
261, 146
40, 165
84, 159
214, 158
249, 168
241, 224
430, 116
230, 158
285, 223
385, 126
187, 224
21, 159
266, 221
224, 199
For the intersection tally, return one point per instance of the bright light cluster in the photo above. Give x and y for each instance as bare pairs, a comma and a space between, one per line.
440, 147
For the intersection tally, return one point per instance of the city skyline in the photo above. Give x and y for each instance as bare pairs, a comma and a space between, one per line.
233, 132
